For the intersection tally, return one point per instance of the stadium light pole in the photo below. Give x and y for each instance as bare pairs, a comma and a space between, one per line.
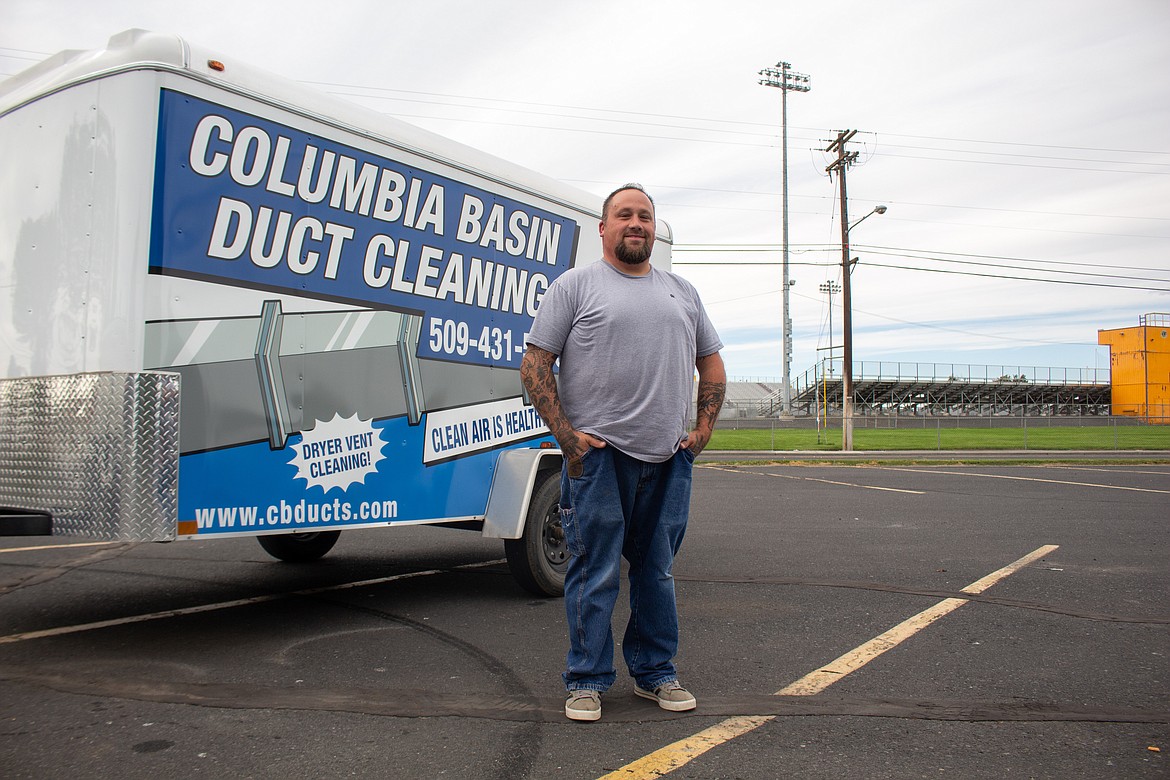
786, 81
830, 288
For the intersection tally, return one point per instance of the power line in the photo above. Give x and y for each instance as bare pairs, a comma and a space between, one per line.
644, 123
739, 132
655, 115
829, 264
967, 225
24, 54
1027, 165
530, 112
1029, 156
26, 51
770, 193
1018, 278
951, 271
1014, 143
1015, 339
1031, 229
1001, 265
1023, 211
529, 126
930, 253
1007, 257
550, 105
710, 120
713, 128
950, 330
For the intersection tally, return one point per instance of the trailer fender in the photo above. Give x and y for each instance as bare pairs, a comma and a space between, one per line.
511, 490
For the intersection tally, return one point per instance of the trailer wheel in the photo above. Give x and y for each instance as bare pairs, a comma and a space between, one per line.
299, 548
539, 558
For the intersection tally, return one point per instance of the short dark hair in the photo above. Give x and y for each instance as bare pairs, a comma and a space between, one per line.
630, 186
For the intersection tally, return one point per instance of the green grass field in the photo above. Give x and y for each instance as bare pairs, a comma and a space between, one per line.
1105, 437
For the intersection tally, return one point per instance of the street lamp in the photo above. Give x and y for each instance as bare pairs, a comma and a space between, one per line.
847, 328
876, 210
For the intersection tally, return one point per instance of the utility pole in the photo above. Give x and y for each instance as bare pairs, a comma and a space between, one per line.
786, 81
839, 166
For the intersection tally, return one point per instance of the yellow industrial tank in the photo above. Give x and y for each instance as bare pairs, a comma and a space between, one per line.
1139, 368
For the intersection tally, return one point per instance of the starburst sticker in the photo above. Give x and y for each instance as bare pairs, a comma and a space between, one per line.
338, 453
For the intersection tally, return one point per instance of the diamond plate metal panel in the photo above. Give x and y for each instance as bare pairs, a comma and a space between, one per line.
100, 452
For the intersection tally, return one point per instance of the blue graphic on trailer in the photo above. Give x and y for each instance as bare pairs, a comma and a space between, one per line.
250, 202
252, 488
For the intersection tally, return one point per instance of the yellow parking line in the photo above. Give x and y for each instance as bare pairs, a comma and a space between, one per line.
671, 757
815, 682
680, 753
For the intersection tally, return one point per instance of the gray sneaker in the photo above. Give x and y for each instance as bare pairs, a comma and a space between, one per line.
583, 705
670, 696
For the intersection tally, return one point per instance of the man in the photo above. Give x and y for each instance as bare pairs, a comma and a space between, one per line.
629, 338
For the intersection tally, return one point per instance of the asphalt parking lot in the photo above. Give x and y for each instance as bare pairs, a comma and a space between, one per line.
970, 621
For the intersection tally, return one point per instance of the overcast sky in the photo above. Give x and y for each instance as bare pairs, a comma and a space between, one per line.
1007, 138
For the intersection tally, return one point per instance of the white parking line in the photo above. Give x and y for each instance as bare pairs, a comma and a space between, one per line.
680, 753
817, 479
1025, 479
62, 630
55, 546
1106, 471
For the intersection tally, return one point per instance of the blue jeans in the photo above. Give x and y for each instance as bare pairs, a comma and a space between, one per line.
612, 506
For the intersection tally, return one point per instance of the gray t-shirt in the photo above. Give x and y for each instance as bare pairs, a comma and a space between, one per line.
627, 347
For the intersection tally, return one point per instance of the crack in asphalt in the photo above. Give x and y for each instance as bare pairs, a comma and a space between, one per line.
619, 708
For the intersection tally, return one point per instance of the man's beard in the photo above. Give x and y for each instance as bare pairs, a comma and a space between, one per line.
631, 256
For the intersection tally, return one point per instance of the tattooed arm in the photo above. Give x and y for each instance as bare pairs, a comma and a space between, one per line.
712, 388
536, 372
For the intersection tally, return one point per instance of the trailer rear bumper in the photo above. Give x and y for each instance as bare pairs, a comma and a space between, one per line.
16, 522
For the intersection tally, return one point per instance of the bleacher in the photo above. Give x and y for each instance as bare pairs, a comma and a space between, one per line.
929, 389
746, 398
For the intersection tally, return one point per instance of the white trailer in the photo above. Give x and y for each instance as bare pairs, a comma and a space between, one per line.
232, 305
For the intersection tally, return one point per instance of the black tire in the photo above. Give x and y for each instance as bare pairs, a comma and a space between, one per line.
299, 548
539, 558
